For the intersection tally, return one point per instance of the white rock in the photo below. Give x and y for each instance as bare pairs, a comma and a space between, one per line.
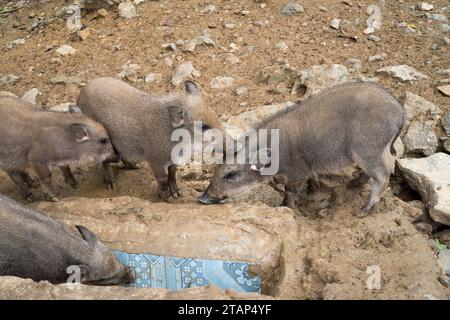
66, 50
30, 96
127, 10
7, 94
375, 58
335, 23
420, 138
153, 77
183, 72
444, 261
423, 6
129, 70
403, 73
416, 105
222, 82
191, 45
282, 46
431, 178
206, 39
232, 59
168, 62
317, 78
373, 23
63, 107
241, 90
445, 90
229, 25
8, 78
443, 72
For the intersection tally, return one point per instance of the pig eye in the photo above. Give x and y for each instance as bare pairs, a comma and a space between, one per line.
232, 177
104, 141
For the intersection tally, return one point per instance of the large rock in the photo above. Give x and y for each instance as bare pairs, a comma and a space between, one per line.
31, 95
222, 82
183, 72
12, 288
257, 234
445, 121
403, 72
319, 77
420, 138
292, 8
127, 10
416, 105
431, 178
275, 74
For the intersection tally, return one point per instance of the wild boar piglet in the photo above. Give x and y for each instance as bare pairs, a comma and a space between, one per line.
43, 140
351, 124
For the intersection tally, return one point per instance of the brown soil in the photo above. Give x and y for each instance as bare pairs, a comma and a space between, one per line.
334, 248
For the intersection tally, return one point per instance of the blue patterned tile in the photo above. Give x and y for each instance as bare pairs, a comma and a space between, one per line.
175, 273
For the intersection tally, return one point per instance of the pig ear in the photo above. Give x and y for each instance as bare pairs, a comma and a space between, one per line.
80, 132
177, 116
190, 87
74, 109
88, 235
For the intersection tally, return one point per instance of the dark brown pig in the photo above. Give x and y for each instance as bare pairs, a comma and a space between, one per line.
351, 124
34, 246
42, 140
141, 124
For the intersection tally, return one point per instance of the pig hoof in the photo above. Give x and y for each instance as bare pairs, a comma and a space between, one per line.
34, 184
73, 184
164, 195
175, 193
51, 197
363, 213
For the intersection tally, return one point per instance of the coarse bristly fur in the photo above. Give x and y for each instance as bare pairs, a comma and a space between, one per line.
34, 246
140, 124
350, 124
40, 139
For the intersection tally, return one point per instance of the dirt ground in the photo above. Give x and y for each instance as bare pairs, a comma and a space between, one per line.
335, 247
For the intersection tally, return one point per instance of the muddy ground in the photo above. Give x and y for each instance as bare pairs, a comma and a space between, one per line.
334, 247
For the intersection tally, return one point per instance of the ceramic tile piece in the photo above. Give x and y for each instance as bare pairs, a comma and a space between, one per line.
174, 273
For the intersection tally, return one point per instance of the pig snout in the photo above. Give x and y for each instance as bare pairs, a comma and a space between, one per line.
206, 199
129, 276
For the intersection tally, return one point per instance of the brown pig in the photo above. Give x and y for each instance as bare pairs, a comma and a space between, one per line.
351, 124
141, 124
41, 139
34, 246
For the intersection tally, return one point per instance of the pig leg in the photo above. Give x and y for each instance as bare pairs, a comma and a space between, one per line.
18, 177
108, 174
45, 175
172, 180
361, 179
380, 174
161, 173
32, 183
129, 165
68, 176
294, 193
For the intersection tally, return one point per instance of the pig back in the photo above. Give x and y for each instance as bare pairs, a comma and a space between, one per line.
137, 122
35, 246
